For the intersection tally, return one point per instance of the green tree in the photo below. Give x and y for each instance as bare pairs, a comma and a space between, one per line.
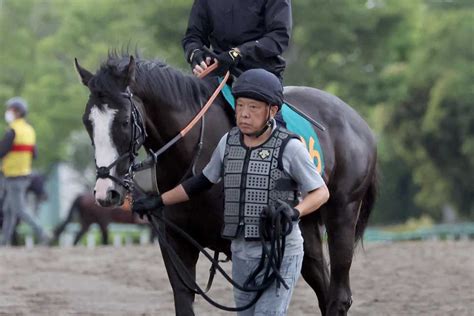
432, 121
38, 49
351, 48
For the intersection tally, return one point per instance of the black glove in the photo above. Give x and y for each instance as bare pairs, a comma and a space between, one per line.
286, 210
226, 60
282, 215
197, 57
267, 218
144, 206
268, 212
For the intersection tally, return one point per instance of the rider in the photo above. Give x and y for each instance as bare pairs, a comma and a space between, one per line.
264, 168
243, 34
252, 34
17, 149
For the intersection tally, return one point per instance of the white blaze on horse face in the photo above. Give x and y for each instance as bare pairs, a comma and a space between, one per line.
105, 150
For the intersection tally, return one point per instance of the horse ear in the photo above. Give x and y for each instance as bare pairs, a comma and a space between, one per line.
83, 73
131, 70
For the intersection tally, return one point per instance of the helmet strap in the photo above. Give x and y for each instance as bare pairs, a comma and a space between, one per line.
268, 123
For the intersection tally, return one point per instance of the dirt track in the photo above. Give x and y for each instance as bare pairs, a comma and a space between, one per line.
411, 278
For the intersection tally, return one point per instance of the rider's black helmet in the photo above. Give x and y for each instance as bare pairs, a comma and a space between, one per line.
260, 85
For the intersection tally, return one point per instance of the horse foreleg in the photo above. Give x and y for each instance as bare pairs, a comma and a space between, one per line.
84, 229
315, 270
341, 236
153, 236
183, 297
104, 232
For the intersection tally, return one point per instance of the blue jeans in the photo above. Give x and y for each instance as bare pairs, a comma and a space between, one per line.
275, 300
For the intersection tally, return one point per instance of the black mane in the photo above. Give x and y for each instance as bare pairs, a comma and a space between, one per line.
154, 80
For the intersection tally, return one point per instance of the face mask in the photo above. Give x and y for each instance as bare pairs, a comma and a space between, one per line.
9, 116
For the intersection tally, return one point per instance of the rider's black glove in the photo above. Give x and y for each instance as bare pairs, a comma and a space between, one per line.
227, 60
286, 210
197, 57
144, 206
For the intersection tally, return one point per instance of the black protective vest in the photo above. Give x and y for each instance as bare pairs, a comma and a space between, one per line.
253, 179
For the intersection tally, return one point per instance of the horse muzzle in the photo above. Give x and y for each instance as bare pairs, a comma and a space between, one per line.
107, 194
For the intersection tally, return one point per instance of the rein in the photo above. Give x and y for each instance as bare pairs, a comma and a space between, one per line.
153, 157
274, 231
138, 135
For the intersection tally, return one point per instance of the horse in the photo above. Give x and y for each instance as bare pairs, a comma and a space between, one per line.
126, 93
86, 208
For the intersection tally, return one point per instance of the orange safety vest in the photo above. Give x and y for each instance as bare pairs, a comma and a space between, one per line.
18, 160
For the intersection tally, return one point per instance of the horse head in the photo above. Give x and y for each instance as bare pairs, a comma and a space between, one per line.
115, 127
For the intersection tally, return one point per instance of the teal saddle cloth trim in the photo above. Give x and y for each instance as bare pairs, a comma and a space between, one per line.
296, 124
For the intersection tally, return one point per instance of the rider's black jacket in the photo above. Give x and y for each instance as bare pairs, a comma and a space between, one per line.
259, 28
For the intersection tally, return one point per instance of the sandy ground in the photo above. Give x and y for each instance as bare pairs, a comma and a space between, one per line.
410, 278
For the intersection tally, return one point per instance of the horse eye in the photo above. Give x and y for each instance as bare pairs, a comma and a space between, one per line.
125, 123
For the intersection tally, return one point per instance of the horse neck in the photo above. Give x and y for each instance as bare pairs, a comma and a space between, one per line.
168, 108
170, 105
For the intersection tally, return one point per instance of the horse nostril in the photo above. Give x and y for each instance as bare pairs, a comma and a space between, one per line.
113, 196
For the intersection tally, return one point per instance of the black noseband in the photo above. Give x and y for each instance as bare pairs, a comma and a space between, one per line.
103, 172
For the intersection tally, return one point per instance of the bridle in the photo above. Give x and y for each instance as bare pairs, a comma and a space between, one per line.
137, 138
152, 158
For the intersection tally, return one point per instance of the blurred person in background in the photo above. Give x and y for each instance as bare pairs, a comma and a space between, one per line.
17, 150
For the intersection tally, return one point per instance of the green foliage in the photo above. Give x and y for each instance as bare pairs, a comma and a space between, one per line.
167, 25
432, 123
397, 191
38, 51
344, 46
405, 65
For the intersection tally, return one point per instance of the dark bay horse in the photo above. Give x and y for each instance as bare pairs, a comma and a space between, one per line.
167, 100
88, 212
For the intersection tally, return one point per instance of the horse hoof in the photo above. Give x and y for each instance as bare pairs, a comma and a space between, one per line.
339, 308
